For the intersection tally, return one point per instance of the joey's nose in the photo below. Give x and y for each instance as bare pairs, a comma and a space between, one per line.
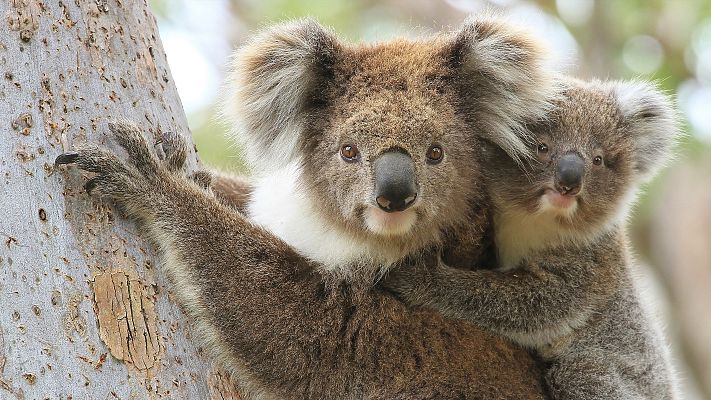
569, 173
395, 181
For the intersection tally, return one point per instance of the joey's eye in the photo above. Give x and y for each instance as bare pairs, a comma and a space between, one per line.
349, 152
542, 148
597, 160
435, 154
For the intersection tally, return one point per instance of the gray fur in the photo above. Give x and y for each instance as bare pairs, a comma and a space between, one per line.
570, 295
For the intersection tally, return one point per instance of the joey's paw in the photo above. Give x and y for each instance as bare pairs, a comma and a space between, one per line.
406, 281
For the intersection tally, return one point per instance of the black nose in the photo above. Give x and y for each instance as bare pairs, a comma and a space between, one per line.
395, 181
569, 173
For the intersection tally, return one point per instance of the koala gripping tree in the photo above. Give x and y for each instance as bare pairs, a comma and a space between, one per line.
83, 313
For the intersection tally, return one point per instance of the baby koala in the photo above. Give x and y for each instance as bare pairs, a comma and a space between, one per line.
564, 284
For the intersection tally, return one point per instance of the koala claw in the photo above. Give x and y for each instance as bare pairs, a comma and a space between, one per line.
66, 158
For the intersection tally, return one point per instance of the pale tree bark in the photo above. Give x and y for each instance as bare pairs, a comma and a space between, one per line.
83, 312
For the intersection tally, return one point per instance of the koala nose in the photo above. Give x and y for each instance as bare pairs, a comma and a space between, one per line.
395, 181
569, 173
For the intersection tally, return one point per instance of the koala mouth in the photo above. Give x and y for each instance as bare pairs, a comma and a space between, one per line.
390, 223
553, 199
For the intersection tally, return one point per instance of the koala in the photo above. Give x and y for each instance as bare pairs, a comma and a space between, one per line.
564, 286
377, 186
359, 155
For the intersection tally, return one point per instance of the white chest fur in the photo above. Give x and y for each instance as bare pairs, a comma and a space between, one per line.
279, 205
519, 233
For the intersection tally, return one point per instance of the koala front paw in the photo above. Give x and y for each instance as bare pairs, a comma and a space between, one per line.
132, 182
407, 282
174, 149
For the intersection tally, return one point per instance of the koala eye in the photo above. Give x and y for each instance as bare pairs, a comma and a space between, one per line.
597, 160
349, 152
435, 154
542, 148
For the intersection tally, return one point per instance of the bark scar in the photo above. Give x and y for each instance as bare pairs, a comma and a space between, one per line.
127, 320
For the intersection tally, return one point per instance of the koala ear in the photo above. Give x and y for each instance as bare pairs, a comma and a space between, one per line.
650, 119
504, 80
274, 80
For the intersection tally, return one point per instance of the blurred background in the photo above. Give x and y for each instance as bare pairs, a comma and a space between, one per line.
668, 41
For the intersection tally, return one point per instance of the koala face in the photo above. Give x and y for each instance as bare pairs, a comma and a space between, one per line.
391, 152
382, 135
602, 141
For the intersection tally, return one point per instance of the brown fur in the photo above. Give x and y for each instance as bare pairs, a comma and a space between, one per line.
271, 318
233, 190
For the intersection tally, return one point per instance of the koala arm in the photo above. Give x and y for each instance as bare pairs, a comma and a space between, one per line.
547, 297
271, 315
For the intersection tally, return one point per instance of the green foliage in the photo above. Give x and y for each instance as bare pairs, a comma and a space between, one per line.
214, 146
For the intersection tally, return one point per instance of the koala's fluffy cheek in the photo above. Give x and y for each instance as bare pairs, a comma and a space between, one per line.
608, 194
445, 191
525, 192
348, 195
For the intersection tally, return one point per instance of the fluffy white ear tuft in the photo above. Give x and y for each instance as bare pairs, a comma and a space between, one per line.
272, 82
508, 82
652, 121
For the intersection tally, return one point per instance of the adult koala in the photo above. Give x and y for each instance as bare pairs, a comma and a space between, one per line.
365, 154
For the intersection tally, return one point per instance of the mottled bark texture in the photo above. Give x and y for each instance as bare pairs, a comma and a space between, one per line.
83, 313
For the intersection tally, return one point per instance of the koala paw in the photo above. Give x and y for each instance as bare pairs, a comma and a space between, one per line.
408, 281
174, 150
139, 176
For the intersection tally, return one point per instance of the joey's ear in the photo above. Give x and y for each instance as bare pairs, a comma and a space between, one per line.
504, 80
274, 80
651, 120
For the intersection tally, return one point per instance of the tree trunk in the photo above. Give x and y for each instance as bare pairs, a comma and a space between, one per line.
83, 313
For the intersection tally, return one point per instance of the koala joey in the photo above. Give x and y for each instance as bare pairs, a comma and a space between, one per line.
564, 286
359, 153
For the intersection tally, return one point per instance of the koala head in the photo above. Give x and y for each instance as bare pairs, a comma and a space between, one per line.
382, 135
602, 141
